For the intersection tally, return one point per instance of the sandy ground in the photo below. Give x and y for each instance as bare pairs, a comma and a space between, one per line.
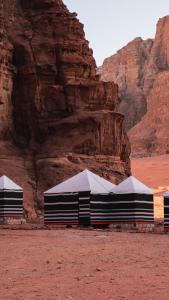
83, 265
89, 264
154, 172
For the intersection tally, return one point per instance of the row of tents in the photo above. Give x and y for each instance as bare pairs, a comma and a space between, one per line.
87, 199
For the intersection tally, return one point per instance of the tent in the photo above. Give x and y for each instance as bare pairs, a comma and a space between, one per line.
76, 200
133, 202
166, 210
11, 199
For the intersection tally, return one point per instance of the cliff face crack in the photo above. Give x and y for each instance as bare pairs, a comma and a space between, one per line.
37, 93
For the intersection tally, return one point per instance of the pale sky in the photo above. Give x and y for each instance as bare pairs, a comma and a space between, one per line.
111, 24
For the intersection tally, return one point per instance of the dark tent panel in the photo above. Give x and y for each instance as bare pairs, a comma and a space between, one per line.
11, 200
61, 209
100, 209
71, 201
84, 208
11, 204
166, 211
132, 208
132, 202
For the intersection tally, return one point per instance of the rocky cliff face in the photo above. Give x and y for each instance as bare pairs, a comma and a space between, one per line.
56, 116
141, 71
151, 135
127, 68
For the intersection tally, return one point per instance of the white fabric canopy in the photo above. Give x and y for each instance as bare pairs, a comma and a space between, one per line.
7, 184
105, 183
131, 185
166, 194
83, 182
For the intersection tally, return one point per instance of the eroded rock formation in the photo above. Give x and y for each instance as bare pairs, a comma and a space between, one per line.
141, 69
127, 68
56, 116
151, 135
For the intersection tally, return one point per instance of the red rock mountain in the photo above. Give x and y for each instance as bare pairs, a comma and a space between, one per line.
127, 68
56, 116
141, 70
151, 135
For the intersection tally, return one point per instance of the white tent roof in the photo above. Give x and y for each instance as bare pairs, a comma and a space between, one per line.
166, 194
131, 185
105, 183
83, 182
7, 184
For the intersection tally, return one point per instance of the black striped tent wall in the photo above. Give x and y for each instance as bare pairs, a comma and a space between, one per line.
132, 208
61, 209
125, 208
166, 212
75, 209
79, 190
67, 209
84, 208
11, 204
100, 209
132, 202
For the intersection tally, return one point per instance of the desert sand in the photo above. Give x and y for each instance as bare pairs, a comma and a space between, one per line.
89, 264
83, 265
153, 171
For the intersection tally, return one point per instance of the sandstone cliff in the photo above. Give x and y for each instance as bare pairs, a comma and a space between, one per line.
151, 135
141, 71
56, 116
127, 68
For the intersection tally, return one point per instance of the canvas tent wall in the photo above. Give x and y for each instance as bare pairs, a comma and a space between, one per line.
11, 199
132, 202
100, 206
101, 209
166, 210
71, 202
61, 209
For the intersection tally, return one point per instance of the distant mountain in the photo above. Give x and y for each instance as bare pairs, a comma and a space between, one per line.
127, 68
141, 69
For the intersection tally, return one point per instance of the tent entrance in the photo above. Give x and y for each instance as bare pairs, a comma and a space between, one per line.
84, 209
